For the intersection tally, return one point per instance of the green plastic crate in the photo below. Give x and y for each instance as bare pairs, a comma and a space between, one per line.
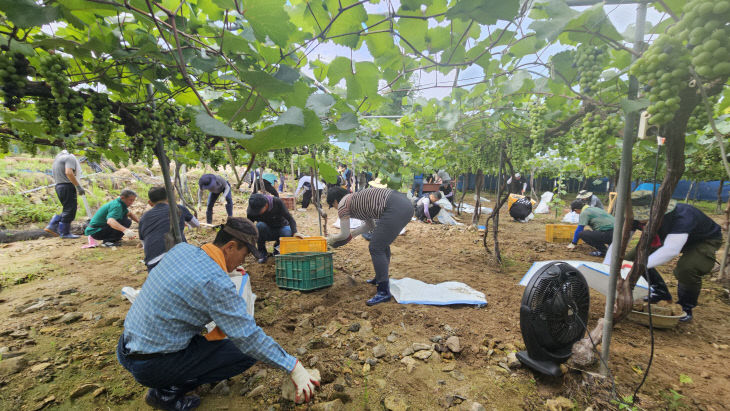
304, 271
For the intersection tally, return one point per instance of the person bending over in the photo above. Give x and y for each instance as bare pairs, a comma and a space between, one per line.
390, 208
273, 221
601, 223
217, 185
426, 208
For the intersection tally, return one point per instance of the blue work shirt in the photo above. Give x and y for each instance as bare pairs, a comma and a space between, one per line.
185, 291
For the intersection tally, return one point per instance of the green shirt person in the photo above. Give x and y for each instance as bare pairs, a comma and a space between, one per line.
601, 223
112, 221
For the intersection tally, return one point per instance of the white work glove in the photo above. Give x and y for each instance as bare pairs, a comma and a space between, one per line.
299, 235
128, 233
571, 246
304, 383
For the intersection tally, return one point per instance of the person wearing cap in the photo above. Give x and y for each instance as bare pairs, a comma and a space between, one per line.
517, 184
601, 223
391, 209
155, 225
217, 185
588, 198
273, 221
685, 232
161, 345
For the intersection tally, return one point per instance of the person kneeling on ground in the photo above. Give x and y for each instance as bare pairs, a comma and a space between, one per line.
161, 345
392, 210
273, 221
426, 207
521, 209
589, 198
155, 224
112, 221
601, 232
684, 230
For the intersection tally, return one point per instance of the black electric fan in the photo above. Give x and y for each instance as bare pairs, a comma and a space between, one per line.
553, 316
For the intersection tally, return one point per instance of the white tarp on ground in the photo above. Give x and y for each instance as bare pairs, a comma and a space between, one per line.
543, 207
596, 275
572, 217
355, 223
468, 208
410, 291
444, 216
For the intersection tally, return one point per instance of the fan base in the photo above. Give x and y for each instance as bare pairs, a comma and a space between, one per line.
543, 367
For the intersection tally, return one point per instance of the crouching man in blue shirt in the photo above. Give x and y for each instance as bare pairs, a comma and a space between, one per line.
162, 345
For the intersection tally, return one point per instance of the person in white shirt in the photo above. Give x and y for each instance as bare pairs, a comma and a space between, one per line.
305, 184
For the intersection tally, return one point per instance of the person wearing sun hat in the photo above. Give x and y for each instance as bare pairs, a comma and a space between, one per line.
685, 232
588, 198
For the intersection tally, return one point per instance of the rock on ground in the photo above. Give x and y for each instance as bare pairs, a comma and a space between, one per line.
453, 344
82, 390
12, 366
379, 351
394, 403
559, 404
410, 364
335, 405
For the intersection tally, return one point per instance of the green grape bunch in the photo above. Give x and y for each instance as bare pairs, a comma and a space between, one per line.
48, 110
664, 68
595, 131
704, 27
14, 72
589, 62
536, 121
70, 102
101, 109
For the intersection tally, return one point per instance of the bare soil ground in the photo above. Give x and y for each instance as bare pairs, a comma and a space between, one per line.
60, 358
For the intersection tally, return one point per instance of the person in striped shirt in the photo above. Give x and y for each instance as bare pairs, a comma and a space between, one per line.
392, 210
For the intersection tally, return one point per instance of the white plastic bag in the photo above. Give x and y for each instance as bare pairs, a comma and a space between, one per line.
572, 218
543, 207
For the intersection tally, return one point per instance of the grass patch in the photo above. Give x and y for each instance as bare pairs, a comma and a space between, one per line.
21, 274
17, 210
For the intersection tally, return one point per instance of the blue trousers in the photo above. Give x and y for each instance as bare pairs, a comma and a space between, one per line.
202, 362
267, 233
212, 198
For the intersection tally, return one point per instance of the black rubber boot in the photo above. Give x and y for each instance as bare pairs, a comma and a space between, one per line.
171, 399
688, 300
372, 281
659, 290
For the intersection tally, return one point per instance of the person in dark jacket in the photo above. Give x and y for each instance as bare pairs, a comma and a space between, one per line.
217, 185
155, 223
273, 221
448, 193
685, 232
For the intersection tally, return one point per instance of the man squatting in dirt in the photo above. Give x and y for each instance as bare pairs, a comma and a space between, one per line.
273, 221
112, 221
390, 208
426, 208
161, 345
601, 233
684, 230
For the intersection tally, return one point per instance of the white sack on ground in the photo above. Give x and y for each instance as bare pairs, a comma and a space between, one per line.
445, 217
354, 223
468, 208
572, 217
543, 207
596, 275
410, 291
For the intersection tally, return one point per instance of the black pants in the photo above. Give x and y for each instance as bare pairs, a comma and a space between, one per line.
307, 198
600, 240
66, 193
107, 233
267, 187
201, 362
